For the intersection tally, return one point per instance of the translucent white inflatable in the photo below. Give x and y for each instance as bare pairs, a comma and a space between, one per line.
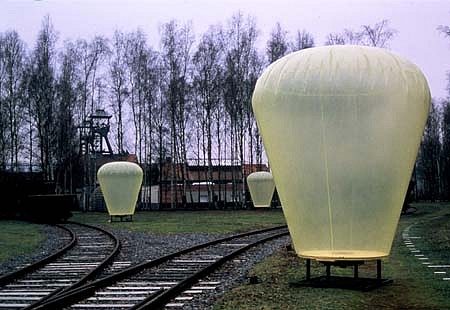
120, 183
261, 186
341, 126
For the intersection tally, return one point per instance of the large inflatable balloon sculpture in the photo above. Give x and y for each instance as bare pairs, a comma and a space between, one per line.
341, 126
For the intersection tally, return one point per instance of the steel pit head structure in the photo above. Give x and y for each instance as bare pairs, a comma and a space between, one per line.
341, 126
261, 186
120, 182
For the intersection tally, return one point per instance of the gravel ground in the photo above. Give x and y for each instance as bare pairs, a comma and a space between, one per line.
138, 247
235, 273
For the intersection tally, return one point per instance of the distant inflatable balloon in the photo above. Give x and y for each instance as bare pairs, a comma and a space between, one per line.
120, 183
261, 186
341, 126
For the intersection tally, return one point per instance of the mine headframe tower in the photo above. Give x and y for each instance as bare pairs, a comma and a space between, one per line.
93, 140
94, 134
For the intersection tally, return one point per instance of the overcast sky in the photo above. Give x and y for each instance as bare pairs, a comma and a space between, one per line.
415, 20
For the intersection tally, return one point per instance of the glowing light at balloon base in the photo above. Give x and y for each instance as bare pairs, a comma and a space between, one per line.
343, 255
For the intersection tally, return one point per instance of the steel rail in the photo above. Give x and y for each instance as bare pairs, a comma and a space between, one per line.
158, 301
70, 297
103, 263
89, 275
5, 279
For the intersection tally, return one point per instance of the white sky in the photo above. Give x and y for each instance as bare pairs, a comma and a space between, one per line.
415, 20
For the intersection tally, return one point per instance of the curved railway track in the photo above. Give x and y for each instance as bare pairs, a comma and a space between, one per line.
171, 280
89, 250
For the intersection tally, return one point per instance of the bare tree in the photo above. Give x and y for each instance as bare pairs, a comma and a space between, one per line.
160, 123
335, 39
119, 86
3, 111
428, 162
29, 128
142, 63
137, 62
302, 40
277, 45
12, 62
42, 94
445, 132
240, 59
444, 29
149, 89
255, 142
378, 35
445, 152
66, 130
92, 56
347, 37
208, 77
176, 44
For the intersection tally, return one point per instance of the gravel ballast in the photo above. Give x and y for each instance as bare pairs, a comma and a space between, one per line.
138, 247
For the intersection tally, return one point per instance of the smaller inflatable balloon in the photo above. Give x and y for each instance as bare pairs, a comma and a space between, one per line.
120, 183
261, 186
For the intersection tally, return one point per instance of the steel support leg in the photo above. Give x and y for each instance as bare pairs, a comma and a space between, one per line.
378, 269
308, 269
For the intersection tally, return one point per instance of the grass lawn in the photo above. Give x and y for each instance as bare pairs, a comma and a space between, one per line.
17, 238
168, 222
415, 286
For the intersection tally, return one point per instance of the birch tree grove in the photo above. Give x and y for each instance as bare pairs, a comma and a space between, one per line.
428, 160
13, 56
378, 35
277, 45
208, 75
42, 95
445, 152
242, 66
303, 39
67, 94
92, 56
176, 101
136, 60
119, 85
3, 111
176, 44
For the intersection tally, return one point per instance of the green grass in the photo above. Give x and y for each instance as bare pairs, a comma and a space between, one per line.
414, 287
18, 238
169, 222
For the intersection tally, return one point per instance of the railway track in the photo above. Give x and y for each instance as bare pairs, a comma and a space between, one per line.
168, 281
89, 250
